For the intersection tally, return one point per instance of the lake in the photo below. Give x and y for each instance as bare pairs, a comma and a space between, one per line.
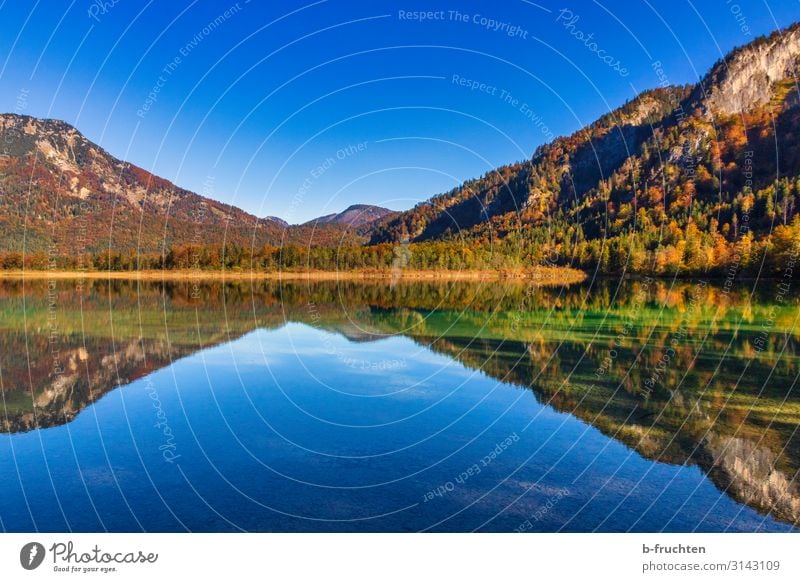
418, 406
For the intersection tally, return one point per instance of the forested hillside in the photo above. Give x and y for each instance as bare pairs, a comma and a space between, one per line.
686, 179
680, 180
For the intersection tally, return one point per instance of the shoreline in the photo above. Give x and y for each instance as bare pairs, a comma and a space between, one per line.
545, 275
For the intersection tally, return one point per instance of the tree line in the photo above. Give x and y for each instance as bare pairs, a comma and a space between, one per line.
671, 251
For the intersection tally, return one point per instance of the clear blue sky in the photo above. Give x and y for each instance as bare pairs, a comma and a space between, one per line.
264, 104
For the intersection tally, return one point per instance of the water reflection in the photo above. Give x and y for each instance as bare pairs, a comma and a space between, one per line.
682, 373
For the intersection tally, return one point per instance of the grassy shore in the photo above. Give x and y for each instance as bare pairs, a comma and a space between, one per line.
545, 275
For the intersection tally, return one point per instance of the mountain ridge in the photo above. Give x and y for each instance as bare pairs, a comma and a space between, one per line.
56, 182
662, 184
354, 216
664, 181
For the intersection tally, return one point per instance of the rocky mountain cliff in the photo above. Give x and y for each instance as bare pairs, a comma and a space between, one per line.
750, 76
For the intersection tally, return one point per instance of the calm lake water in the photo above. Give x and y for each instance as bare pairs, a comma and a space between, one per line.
342, 406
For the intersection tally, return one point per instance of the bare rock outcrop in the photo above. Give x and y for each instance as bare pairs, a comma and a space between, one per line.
746, 78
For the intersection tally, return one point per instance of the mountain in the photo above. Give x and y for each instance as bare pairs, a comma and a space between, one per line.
277, 220
63, 194
58, 188
700, 178
559, 173
680, 179
355, 216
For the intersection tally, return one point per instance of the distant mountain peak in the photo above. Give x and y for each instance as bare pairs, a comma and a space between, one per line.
354, 216
277, 220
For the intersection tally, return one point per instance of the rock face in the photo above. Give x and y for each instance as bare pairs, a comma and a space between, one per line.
746, 78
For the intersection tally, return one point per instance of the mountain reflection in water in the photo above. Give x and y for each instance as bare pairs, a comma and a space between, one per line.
681, 373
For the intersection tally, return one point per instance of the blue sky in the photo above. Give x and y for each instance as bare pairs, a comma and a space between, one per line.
299, 109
